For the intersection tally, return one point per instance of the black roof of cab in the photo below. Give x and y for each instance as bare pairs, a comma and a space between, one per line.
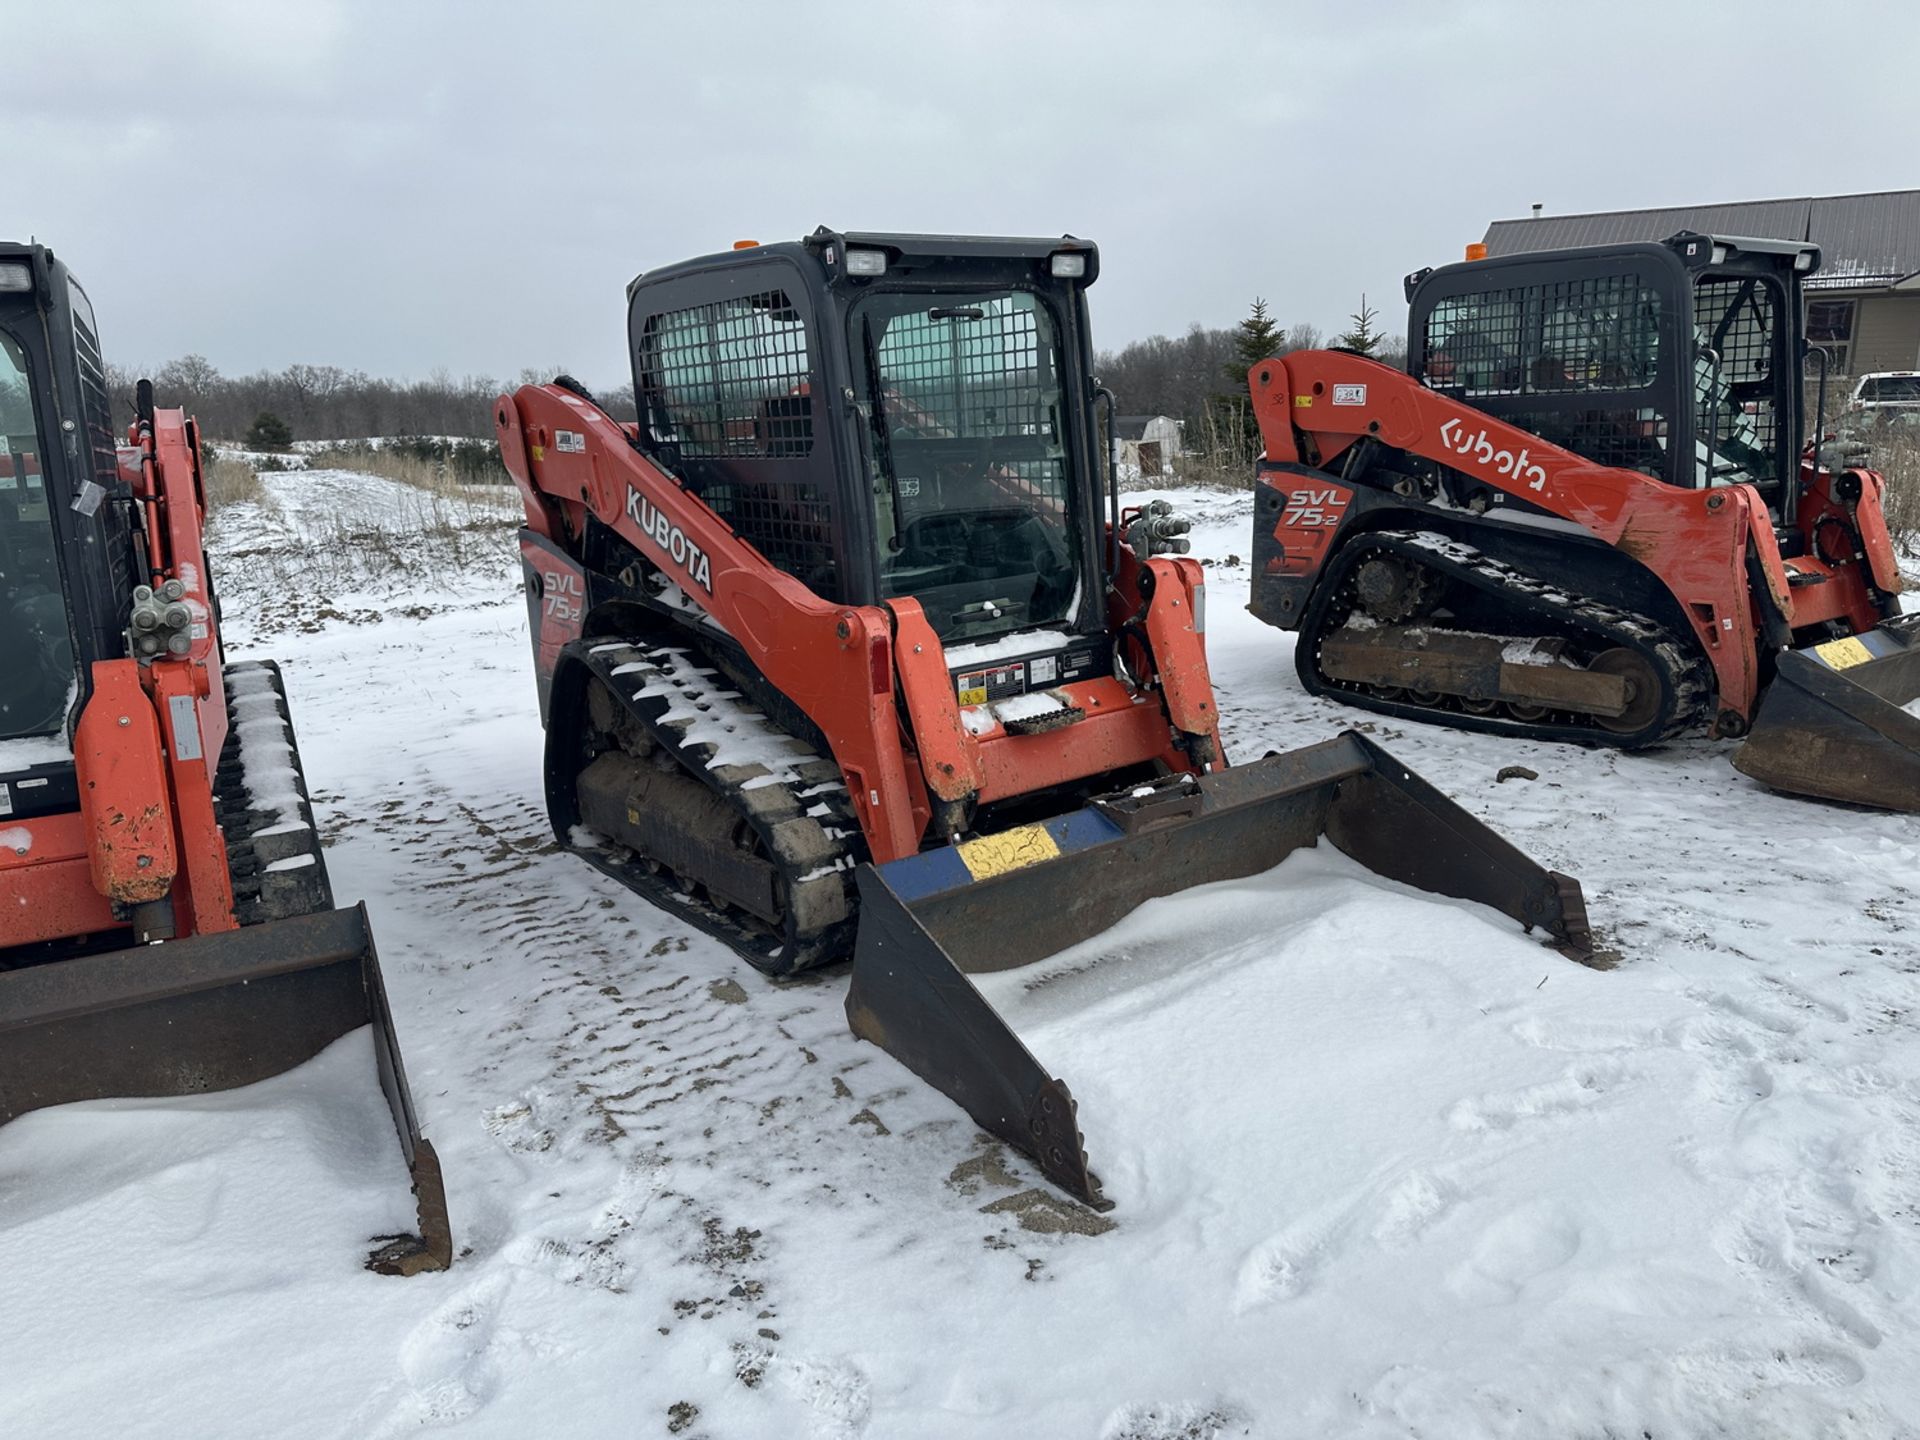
1695, 251
829, 245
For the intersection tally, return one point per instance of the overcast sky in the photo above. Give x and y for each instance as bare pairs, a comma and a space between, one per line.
399, 187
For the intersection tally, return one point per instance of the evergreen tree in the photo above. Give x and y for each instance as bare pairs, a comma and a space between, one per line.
269, 432
1362, 338
1256, 339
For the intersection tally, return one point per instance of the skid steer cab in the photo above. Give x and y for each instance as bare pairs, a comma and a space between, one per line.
166, 921
1595, 511
849, 648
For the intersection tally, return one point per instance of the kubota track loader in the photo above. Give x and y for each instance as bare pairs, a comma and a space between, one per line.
166, 925
1592, 512
838, 654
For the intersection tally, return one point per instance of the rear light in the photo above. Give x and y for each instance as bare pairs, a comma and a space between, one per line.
16, 277
866, 262
1068, 264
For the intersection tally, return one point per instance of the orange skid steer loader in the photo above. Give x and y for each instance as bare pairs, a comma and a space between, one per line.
844, 649
166, 923
1593, 512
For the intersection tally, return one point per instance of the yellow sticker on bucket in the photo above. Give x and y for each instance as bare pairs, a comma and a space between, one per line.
1013, 849
1844, 654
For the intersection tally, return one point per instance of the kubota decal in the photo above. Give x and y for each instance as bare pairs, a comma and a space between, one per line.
671, 539
1482, 451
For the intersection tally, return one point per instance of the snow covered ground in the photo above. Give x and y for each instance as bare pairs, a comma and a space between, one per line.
1383, 1166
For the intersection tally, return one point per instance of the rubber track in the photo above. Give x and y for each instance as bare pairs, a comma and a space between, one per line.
1689, 678
800, 811
259, 894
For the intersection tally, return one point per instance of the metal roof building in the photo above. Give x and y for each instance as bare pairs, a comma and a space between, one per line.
1863, 305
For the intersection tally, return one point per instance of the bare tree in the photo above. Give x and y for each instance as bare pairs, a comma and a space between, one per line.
1303, 337
325, 402
1169, 376
188, 382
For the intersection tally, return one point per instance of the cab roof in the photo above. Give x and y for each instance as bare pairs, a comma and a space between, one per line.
901, 246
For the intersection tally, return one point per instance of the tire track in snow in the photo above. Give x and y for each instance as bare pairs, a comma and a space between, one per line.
662, 1101
1777, 997
1585, 1086
1809, 1232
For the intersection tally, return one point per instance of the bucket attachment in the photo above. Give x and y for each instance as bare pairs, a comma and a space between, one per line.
1839, 721
932, 920
215, 1012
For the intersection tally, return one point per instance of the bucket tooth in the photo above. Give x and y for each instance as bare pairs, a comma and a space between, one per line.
930, 922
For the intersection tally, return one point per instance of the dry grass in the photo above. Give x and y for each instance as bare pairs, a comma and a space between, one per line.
462, 514
1897, 456
1892, 448
428, 475
445, 524
449, 470
231, 482
1223, 456
431, 549
459, 517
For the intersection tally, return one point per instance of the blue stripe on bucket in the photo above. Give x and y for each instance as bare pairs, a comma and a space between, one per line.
933, 872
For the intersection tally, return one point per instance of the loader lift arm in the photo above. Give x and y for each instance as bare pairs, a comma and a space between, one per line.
835, 662
842, 665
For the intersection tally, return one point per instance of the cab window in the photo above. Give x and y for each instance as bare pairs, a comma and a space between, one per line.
36, 648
